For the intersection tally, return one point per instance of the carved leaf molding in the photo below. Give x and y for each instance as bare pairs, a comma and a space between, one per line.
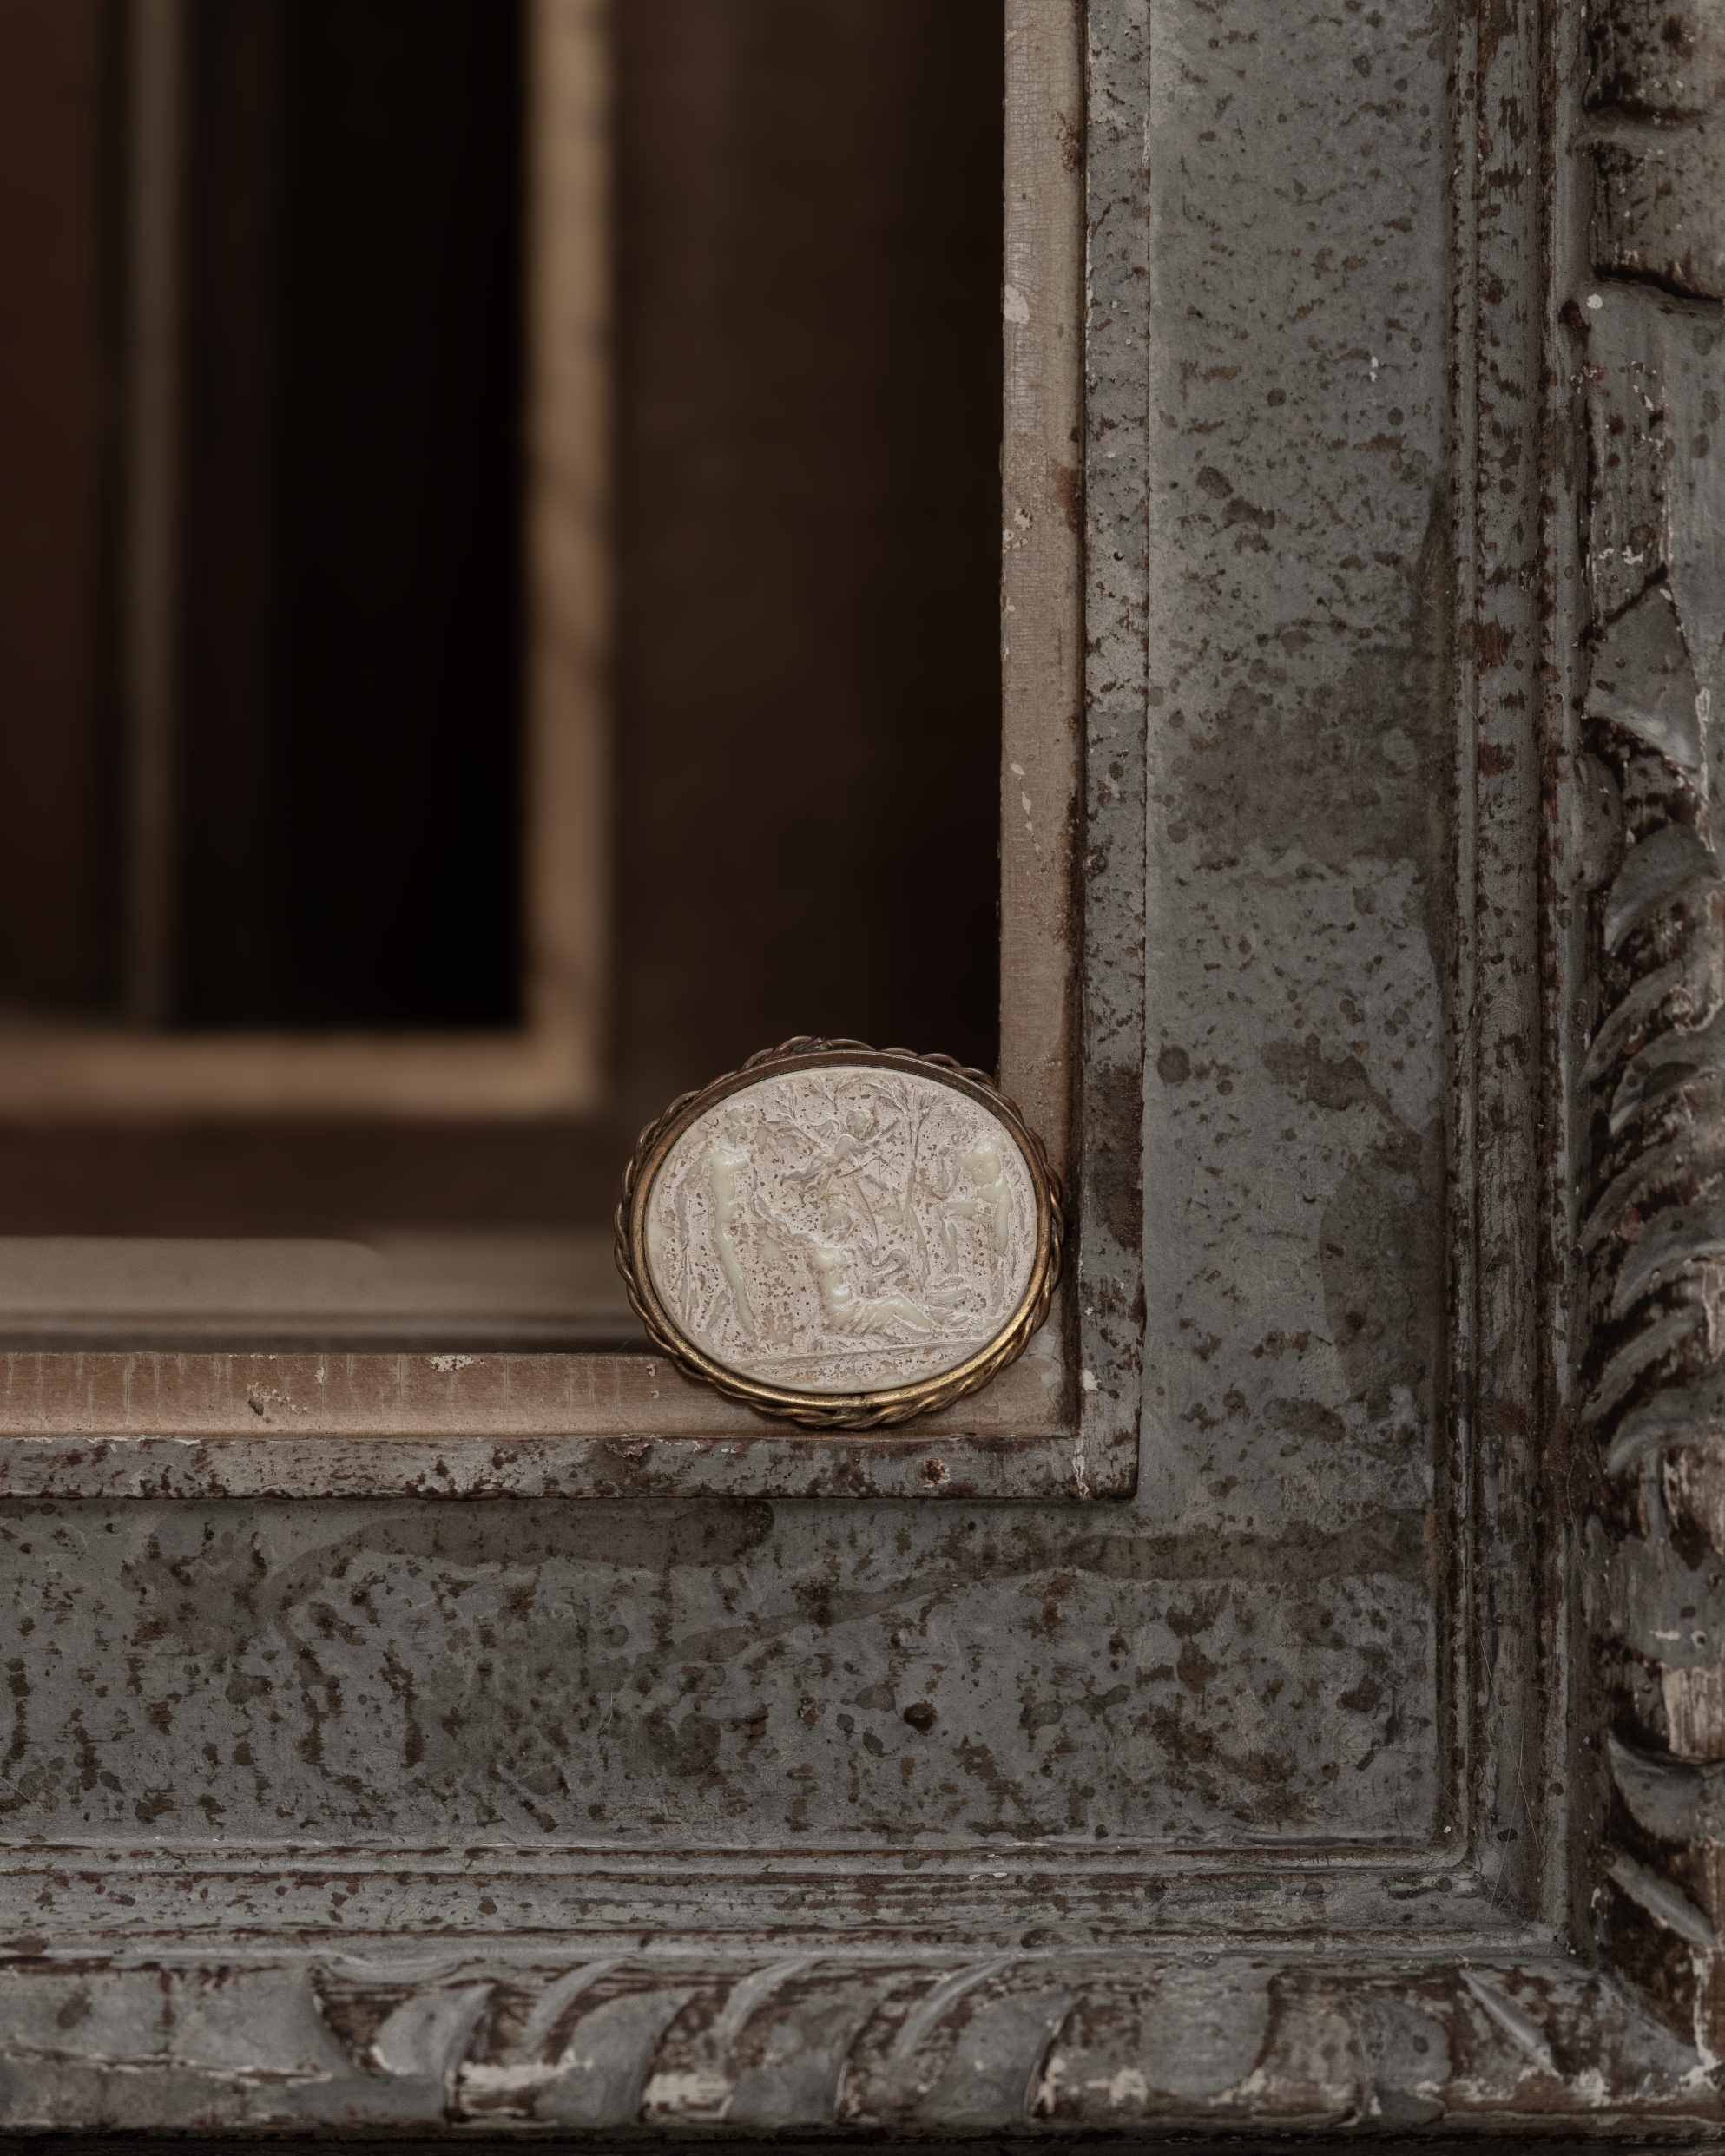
1653, 1239
813, 2042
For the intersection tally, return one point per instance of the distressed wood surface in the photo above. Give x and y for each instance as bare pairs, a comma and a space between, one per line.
1303, 1026
1358, 1771
1041, 599
1068, 906
1504, 1586
56, 1900
1644, 338
1655, 85
1254, 1648
163, 1424
1107, 1269
951, 2044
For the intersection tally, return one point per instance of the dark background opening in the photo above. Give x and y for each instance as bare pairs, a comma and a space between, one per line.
808, 489
350, 617
807, 219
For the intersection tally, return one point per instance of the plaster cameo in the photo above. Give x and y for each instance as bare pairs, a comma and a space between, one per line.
844, 1236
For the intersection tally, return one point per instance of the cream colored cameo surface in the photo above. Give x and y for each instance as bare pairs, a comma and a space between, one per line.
841, 1230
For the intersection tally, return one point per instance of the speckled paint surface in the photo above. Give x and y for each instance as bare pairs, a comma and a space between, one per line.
1245, 1652
1274, 1801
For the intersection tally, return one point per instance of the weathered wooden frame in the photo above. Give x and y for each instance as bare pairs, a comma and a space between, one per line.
1550, 1965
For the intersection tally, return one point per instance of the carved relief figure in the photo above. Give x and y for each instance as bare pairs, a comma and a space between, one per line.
992, 1203
723, 1160
843, 1230
832, 1264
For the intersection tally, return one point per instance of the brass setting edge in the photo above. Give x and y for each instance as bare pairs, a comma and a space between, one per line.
879, 1410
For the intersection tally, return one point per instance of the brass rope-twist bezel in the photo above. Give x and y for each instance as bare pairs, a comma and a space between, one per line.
881, 1408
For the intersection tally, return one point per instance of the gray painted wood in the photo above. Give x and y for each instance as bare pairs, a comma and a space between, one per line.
1277, 1795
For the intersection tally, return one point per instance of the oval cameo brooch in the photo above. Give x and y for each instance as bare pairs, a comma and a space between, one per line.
843, 1235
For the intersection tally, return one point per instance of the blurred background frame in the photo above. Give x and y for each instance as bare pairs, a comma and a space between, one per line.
292, 238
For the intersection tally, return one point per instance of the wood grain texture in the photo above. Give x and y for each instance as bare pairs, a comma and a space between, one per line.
1042, 599
211, 1425
568, 774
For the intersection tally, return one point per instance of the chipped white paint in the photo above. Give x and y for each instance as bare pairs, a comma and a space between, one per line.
841, 1231
1014, 306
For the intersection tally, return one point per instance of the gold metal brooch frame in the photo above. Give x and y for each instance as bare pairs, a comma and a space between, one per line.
876, 1410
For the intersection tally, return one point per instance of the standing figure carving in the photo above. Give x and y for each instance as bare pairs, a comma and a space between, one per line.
724, 1158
